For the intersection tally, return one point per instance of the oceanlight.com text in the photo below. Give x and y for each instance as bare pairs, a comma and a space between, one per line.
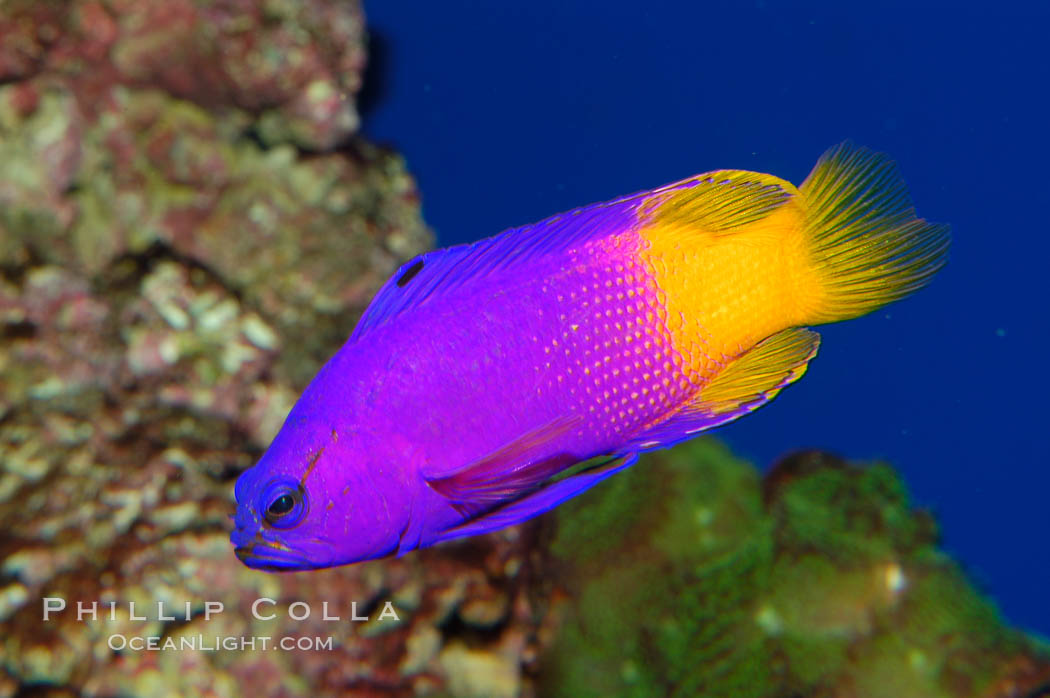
215, 643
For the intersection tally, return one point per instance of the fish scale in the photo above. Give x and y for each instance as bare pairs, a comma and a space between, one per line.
607, 349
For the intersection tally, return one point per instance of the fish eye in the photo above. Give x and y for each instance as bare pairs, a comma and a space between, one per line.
283, 504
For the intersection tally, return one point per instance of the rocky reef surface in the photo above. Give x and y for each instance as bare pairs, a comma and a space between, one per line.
189, 225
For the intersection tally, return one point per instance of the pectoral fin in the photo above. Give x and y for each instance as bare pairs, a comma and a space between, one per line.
508, 472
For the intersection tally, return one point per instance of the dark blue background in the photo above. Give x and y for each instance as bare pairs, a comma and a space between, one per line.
509, 112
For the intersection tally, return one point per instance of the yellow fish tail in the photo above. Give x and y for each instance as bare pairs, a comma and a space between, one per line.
739, 257
866, 245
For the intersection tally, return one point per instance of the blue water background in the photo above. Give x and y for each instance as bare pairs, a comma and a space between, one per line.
509, 112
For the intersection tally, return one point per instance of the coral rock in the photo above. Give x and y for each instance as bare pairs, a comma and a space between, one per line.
173, 270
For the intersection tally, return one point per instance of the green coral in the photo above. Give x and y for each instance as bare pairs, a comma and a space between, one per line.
691, 576
639, 545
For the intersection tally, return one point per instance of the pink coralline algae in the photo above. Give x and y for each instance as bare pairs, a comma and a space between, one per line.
295, 64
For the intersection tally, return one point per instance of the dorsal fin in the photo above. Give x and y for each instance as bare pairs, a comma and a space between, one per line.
747, 383
438, 272
717, 201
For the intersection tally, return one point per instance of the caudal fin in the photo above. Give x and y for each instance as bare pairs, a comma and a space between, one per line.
867, 245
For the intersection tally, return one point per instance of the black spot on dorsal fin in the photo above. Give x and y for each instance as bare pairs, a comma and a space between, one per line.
410, 273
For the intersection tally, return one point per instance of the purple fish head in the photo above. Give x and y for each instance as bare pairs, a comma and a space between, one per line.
310, 502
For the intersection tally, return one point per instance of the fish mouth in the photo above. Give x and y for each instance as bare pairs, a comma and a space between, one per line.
274, 556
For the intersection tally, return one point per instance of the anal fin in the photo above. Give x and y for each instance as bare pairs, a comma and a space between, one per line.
748, 382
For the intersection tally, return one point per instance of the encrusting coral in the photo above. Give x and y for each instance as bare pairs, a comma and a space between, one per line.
691, 575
